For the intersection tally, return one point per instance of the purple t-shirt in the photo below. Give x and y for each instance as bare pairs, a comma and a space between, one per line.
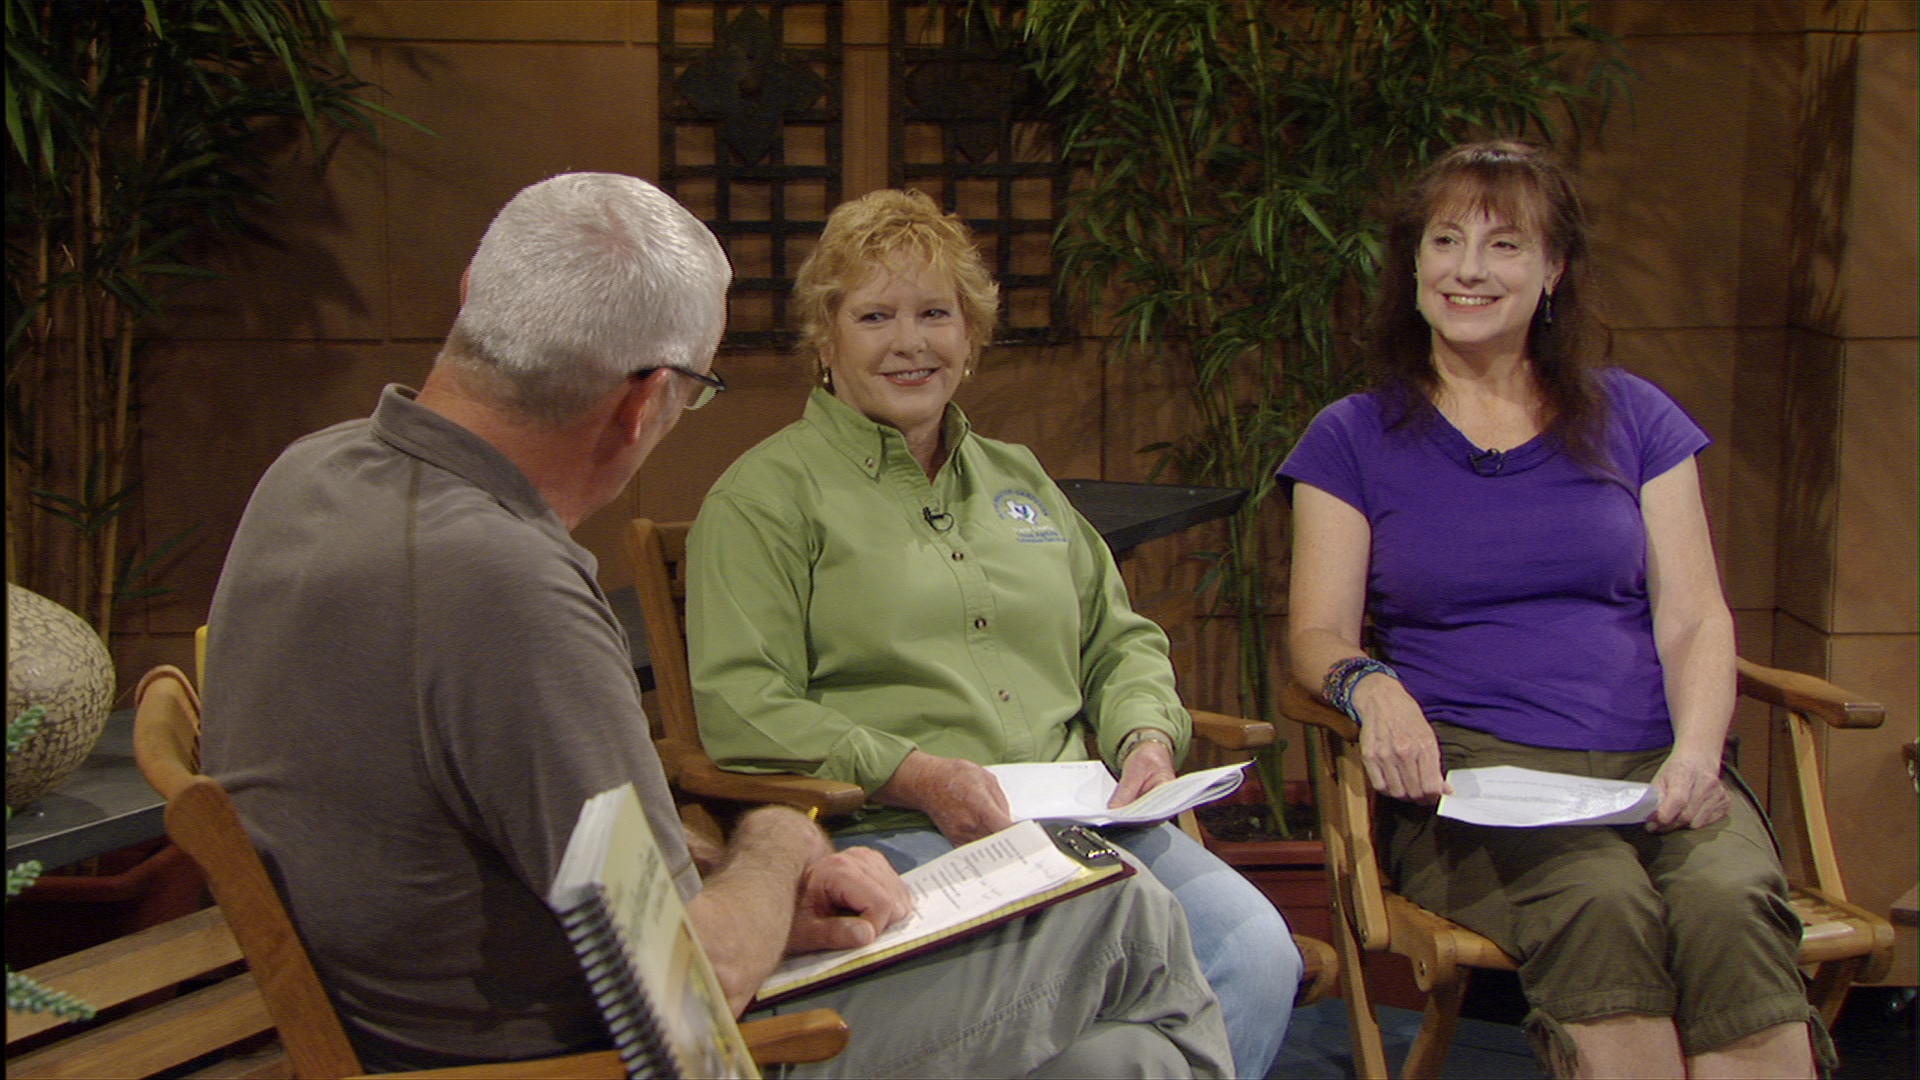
1510, 591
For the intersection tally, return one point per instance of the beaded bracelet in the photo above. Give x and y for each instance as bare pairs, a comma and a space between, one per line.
1344, 676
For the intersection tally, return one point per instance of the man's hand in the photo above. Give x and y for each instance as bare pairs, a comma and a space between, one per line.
1397, 743
846, 900
1149, 764
1691, 794
963, 799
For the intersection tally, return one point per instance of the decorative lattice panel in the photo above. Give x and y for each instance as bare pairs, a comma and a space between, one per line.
970, 130
750, 140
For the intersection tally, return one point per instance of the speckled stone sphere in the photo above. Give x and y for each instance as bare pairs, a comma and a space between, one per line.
53, 659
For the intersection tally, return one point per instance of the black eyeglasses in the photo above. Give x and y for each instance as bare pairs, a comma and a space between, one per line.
710, 381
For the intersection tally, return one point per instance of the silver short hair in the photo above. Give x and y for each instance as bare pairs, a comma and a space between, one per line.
580, 280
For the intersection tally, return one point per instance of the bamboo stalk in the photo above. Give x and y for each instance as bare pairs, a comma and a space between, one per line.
82, 319
92, 193
118, 448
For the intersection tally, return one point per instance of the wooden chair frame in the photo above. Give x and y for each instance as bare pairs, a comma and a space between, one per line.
1851, 944
658, 552
203, 821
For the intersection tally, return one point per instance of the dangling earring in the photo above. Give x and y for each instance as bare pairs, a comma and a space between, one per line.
826, 377
1546, 309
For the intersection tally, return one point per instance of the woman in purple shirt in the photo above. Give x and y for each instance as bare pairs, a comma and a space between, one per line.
1524, 525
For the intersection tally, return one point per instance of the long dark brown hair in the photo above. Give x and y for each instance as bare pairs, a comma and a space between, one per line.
1526, 185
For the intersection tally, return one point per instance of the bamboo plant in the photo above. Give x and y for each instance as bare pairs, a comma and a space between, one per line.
1231, 158
137, 129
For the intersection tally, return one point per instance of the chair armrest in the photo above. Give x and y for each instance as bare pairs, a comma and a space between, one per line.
1809, 695
791, 1039
796, 1038
1231, 732
1787, 689
689, 768
1298, 704
594, 1065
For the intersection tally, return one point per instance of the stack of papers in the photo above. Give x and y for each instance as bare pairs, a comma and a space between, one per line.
1020, 868
1079, 790
1511, 796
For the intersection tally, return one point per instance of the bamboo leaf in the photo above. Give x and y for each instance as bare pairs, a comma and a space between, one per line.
141, 131
179, 270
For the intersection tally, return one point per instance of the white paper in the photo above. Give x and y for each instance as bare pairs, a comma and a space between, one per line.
1079, 790
964, 884
1511, 796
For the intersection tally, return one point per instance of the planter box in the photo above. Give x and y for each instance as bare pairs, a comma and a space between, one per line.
1291, 873
121, 892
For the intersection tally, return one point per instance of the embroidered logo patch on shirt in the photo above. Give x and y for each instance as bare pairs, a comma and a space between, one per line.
1028, 516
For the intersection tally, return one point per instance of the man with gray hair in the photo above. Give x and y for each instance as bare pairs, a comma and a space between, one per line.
414, 682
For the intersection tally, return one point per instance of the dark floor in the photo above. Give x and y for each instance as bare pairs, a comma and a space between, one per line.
1874, 1036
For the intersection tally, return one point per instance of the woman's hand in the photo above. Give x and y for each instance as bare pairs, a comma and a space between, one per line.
1148, 765
1691, 794
846, 900
1397, 743
963, 799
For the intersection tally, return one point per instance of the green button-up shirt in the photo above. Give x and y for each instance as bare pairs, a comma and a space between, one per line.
842, 610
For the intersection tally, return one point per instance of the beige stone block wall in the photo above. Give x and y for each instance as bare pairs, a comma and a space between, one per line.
1846, 583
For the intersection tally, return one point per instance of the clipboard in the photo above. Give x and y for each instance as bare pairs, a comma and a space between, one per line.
1077, 860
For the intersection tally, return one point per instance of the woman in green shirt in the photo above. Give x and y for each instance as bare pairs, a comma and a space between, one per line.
878, 595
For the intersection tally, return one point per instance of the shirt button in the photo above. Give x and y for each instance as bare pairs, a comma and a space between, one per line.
959, 556
869, 463
1004, 696
979, 624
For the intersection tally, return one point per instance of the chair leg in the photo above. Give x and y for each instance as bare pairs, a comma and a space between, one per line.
1831, 981
1436, 1027
1363, 1027
1320, 970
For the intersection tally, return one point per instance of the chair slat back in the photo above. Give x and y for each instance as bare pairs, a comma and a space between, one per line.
201, 818
658, 552
155, 1041
128, 967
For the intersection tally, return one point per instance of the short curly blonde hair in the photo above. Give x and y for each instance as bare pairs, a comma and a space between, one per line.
893, 228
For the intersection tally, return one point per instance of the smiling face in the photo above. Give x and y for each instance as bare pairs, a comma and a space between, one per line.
1481, 278
898, 349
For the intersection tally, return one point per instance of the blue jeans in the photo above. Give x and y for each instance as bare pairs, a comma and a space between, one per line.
1240, 939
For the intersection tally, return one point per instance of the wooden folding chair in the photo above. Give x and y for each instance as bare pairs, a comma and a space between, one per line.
659, 555
202, 820
1843, 944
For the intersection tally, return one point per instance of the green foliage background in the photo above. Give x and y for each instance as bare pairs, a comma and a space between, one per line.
1233, 158
137, 129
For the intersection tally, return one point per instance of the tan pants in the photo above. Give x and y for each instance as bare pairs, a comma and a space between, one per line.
1693, 924
1104, 984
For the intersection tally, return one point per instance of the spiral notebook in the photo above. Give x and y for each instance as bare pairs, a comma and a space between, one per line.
662, 1003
